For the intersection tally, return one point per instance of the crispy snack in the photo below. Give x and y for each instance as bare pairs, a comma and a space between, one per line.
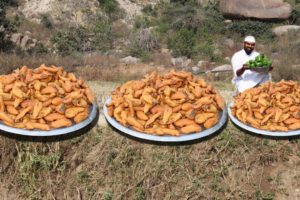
172, 104
43, 98
271, 106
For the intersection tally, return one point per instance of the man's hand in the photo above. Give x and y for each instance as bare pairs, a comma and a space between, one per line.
242, 70
271, 68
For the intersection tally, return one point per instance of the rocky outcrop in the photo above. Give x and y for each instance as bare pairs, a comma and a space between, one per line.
24, 41
77, 12
281, 30
260, 9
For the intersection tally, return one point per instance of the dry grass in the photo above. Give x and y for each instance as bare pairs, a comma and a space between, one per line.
102, 164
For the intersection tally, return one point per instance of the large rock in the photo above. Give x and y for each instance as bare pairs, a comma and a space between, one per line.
130, 60
222, 68
281, 30
260, 9
16, 38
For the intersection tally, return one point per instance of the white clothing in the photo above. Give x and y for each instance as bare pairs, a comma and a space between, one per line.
248, 79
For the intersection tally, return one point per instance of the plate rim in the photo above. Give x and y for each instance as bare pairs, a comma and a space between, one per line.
165, 138
54, 132
259, 131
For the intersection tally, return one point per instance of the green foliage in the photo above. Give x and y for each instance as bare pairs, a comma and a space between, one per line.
143, 22
184, 16
183, 43
5, 26
103, 36
295, 17
108, 195
111, 8
255, 28
45, 20
70, 41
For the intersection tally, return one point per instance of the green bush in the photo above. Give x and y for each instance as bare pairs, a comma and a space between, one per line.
255, 28
6, 26
45, 20
103, 36
70, 41
184, 16
111, 8
183, 43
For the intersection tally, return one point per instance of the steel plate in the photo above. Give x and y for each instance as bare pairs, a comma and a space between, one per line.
54, 132
182, 138
259, 131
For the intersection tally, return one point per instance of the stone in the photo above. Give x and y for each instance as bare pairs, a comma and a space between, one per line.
195, 70
130, 60
281, 30
16, 38
187, 63
229, 43
222, 68
24, 41
259, 9
203, 64
27, 33
178, 61
228, 21
227, 59
164, 50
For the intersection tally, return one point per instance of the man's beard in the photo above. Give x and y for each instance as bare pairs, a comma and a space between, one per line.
248, 51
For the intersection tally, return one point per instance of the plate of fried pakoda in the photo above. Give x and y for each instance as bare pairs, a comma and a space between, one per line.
173, 107
45, 101
271, 109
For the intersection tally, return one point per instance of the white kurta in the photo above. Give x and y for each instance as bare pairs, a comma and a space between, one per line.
249, 78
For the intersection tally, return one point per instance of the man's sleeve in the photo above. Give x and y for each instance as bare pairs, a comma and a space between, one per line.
235, 64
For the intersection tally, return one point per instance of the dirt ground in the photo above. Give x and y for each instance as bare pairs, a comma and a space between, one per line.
103, 164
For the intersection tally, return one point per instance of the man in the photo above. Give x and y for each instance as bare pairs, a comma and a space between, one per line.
244, 77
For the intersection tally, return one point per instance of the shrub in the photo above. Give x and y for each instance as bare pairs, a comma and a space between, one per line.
45, 20
142, 43
255, 28
184, 16
70, 41
183, 43
111, 7
103, 35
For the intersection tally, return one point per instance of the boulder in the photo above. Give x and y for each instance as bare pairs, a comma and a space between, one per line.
202, 64
195, 70
130, 60
229, 43
222, 68
16, 38
181, 61
24, 41
281, 30
259, 9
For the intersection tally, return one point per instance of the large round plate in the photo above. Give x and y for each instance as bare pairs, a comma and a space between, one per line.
260, 69
54, 132
182, 138
259, 131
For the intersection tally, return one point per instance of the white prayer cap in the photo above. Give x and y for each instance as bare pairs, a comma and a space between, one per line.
250, 39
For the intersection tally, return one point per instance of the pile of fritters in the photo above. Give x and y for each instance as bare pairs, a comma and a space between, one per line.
173, 104
271, 106
43, 98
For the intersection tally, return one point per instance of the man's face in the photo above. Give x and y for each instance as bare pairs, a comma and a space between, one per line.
249, 47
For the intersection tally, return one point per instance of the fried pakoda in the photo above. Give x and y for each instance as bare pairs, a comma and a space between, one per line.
271, 106
43, 98
172, 104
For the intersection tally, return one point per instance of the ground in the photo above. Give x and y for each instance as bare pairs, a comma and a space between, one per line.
103, 164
